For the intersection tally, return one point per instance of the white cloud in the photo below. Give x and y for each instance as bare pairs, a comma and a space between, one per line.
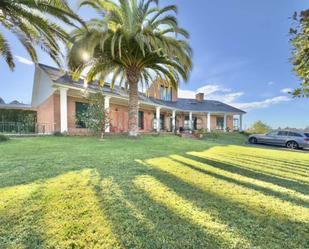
270, 83
212, 92
186, 94
210, 89
262, 104
23, 60
226, 98
225, 95
286, 90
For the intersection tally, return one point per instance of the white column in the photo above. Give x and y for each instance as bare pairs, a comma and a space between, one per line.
63, 110
208, 122
106, 107
225, 122
190, 121
240, 122
174, 121
158, 119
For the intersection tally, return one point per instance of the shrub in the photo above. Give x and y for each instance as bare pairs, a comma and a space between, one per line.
246, 133
58, 134
201, 131
3, 138
211, 135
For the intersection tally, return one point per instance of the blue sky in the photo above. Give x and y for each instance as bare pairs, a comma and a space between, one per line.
241, 56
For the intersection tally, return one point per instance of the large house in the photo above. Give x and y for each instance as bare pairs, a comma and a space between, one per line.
58, 100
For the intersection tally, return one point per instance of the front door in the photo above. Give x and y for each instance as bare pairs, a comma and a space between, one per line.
220, 123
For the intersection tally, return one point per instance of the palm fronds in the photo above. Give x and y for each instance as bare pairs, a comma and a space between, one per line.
30, 21
136, 42
135, 34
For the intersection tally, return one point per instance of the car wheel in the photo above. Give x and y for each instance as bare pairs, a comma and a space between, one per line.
292, 145
252, 140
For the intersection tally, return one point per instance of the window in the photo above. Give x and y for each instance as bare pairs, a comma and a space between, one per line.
80, 109
273, 133
235, 123
294, 134
282, 133
220, 123
141, 120
187, 122
166, 93
306, 134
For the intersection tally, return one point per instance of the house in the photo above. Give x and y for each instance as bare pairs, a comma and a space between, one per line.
58, 100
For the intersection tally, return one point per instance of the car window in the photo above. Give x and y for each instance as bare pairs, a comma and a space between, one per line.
294, 134
282, 133
306, 134
273, 133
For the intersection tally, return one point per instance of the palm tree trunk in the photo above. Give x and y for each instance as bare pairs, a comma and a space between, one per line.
133, 76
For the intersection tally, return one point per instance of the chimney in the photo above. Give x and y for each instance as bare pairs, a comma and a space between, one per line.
199, 97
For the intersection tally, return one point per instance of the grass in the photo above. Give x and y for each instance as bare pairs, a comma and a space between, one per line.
3, 138
154, 192
225, 138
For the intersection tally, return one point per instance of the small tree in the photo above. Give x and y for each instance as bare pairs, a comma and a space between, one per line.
95, 117
259, 127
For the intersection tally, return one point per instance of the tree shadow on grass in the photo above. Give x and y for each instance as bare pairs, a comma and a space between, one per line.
295, 164
234, 168
280, 164
19, 223
266, 165
263, 231
140, 222
261, 189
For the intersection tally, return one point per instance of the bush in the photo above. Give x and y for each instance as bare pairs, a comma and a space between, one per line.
211, 135
246, 133
3, 138
58, 134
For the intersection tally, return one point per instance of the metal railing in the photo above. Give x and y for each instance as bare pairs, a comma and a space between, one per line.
20, 128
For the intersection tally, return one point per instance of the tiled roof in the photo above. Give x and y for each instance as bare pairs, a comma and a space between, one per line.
62, 77
193, 105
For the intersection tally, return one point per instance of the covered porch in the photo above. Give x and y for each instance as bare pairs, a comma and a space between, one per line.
151, 118
181, 121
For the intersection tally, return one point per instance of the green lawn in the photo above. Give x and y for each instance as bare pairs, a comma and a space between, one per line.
154, 192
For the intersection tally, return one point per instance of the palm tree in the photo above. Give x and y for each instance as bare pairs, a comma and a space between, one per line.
30, 21
136, 42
